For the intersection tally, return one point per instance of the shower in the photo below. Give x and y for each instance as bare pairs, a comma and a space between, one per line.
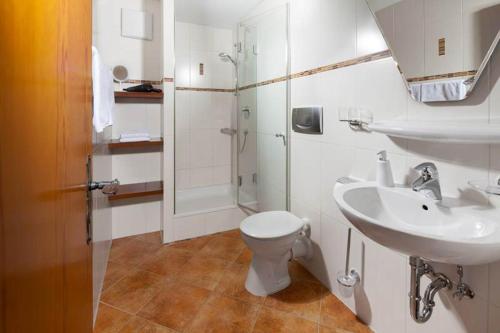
225, 56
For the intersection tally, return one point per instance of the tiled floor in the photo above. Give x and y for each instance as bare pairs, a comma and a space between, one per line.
198, 286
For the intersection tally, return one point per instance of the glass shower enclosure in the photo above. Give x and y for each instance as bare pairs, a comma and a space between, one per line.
231, 102
263, 98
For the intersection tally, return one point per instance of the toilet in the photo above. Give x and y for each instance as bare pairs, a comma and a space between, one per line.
274, 238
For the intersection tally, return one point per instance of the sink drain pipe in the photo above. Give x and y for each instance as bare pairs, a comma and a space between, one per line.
421, 308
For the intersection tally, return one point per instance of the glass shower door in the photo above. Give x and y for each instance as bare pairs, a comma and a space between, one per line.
262, 112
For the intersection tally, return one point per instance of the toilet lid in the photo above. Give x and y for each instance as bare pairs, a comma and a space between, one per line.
271, 224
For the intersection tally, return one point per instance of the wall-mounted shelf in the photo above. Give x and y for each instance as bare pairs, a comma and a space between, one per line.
138, 190
471, 133
138, 97
154, 143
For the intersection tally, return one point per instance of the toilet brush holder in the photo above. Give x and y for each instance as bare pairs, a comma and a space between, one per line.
348, 278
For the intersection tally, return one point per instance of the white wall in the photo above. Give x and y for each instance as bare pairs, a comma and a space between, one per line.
143, 59
203, 153
326, 31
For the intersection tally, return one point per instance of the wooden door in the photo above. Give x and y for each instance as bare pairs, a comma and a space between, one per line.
45, 138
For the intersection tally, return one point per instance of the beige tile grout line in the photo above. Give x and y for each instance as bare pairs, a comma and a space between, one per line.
135, 315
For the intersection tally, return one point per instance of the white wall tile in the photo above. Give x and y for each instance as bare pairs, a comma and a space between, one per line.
135, 219
137, 168
189, 227
200, 177
306, 172
494, 319
182, 37
204, 153
323, 32
222, 220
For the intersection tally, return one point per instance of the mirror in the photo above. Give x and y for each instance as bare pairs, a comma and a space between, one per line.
441, 46
120, 73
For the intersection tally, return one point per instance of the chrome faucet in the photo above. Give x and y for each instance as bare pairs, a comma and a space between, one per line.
428, 182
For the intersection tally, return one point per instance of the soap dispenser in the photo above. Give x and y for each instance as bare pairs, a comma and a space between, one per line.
384, 172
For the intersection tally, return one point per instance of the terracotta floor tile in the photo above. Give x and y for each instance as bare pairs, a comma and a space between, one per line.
302, 298
135, 252
117, 246
233, 284
110, 320
222, 314
245, 257
274, 321
168, 288
335, 315
152, 237
114, 272
132, 292
193, 245
167, 261
323, 329
298, 272
140, 325
226, 248
235, 233
176, 305
203, 271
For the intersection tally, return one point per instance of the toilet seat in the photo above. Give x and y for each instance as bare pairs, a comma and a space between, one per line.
270, 225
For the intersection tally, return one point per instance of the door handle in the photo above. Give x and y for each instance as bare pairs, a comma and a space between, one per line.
107, 187
281, 135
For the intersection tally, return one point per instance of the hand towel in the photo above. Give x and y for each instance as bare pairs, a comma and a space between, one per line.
104, 94
440, 91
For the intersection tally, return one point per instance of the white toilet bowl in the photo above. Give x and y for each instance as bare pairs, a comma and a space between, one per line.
274, 239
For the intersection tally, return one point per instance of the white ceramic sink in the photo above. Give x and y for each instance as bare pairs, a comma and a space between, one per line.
451, 231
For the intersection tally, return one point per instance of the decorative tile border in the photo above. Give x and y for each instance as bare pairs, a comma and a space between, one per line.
442, 76
205, 89
133, 81
317, 70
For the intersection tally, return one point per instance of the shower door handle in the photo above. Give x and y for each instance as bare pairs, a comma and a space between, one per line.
281, 135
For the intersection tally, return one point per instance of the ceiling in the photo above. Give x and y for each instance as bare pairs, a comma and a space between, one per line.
215, 13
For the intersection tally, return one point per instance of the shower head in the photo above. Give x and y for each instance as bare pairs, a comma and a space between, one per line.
225, 56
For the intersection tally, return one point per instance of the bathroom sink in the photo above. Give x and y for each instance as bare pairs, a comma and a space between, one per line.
451, 231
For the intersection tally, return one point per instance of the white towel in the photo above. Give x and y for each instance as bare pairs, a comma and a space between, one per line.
439, 91
104, 93
134, 137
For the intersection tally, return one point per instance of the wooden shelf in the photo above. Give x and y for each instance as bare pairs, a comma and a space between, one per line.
153, 143
138, 97
139, 190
